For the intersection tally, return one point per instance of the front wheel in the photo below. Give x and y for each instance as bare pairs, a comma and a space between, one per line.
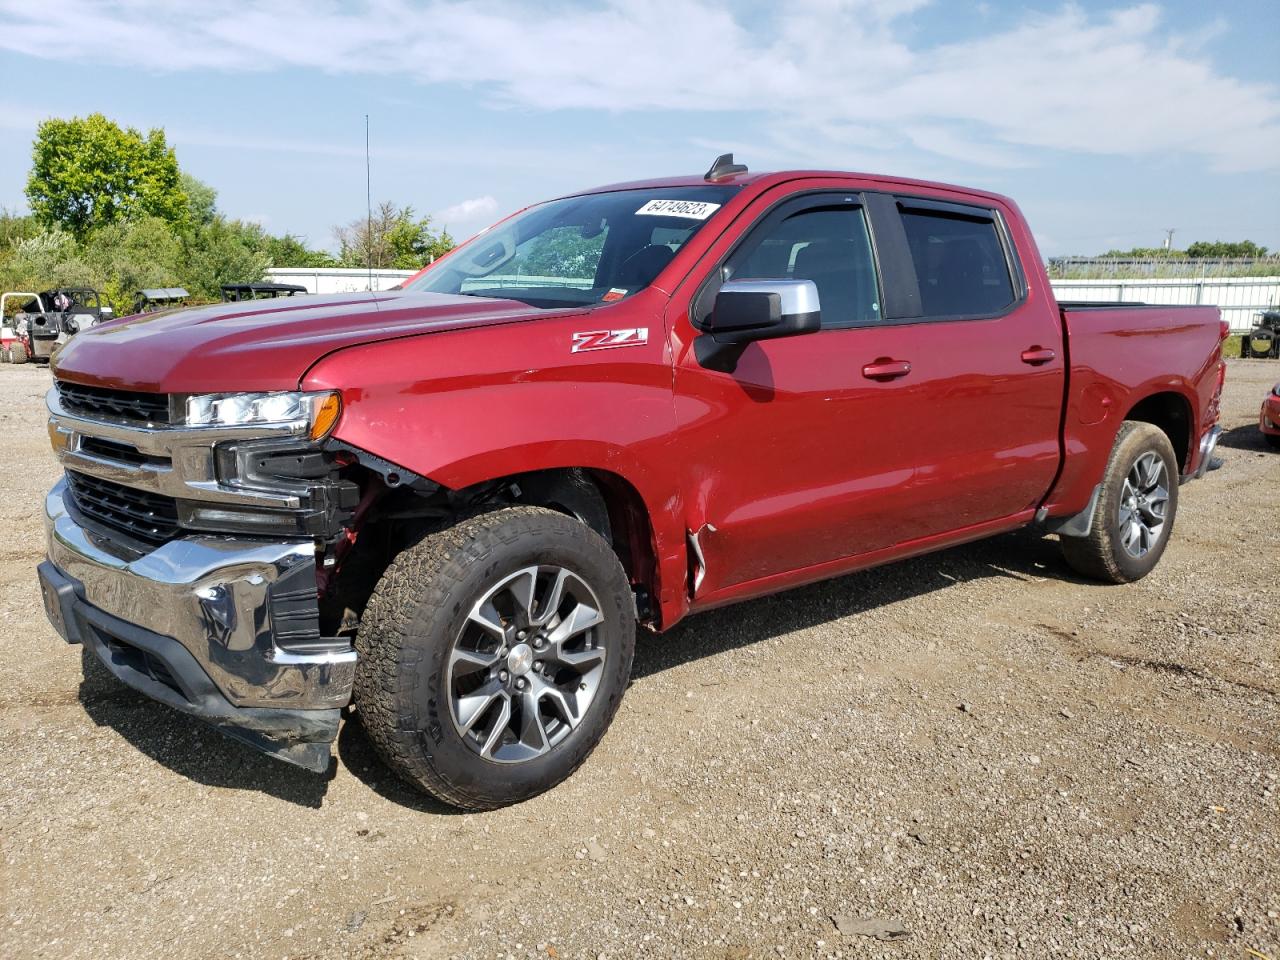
1135, 511
493, 655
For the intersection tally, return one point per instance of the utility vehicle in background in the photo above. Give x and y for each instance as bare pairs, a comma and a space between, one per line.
46, 320
1263, 339
235, 292
159, 298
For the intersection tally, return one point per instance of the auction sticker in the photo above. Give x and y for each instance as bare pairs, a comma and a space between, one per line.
689, 209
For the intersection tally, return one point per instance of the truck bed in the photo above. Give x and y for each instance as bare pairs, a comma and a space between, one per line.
1118, 353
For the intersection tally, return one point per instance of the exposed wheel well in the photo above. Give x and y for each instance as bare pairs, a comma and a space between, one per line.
1171, 413
604, 501
609, 505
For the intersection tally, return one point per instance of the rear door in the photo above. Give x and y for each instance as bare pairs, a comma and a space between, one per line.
987, 364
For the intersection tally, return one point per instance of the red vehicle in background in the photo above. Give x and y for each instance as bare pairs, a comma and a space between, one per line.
1269, 417
451, 504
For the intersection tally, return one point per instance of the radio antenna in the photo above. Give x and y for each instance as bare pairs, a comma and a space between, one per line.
368, 205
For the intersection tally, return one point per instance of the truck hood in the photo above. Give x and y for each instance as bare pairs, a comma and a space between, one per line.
261, 344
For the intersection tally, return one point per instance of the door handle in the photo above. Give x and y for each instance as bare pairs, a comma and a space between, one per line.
1037, 355
885, 369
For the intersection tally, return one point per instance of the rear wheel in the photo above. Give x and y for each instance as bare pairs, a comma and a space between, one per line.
1135, 511
493, 656
17, 353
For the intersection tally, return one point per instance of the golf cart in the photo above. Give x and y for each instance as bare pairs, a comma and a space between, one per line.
159, 298
46, 320
1264, 339
235, 292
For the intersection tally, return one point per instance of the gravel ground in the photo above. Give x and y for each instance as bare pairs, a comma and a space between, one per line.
977, 752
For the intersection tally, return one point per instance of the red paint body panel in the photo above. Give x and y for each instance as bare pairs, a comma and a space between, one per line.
1269, 415
794, 468
1120, 356
259, 344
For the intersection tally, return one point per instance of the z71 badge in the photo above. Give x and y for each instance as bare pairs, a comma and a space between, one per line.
609, 339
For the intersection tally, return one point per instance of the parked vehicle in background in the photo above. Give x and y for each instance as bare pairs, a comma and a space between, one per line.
1269, 417
235, 292
159, 298
1263, 340
450, 504
47, 320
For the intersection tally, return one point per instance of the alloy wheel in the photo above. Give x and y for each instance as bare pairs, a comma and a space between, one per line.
1144, 502
526, 664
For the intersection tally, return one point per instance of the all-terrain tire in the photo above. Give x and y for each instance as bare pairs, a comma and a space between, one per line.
17, 353
1101, 555
419, 609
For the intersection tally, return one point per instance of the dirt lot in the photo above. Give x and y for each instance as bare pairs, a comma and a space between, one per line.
1005, 760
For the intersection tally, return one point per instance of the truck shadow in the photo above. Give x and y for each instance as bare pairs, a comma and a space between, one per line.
200, 753
1020, 555
188, 747
1247, 437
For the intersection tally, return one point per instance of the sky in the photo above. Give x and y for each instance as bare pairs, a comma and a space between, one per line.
1108, 123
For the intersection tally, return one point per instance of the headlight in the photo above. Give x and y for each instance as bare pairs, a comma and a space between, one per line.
317, 412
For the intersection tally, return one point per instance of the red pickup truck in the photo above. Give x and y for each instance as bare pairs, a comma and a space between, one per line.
449, 505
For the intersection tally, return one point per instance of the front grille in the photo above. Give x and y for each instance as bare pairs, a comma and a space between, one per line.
120, 452
145, 516
114, 404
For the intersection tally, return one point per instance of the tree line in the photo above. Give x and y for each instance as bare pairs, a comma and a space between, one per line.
1200, 250
112, 209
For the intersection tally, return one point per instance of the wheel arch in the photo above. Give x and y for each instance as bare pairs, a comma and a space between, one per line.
609, 504
1172, 412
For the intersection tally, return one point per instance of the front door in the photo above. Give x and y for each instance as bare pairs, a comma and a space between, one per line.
802, 455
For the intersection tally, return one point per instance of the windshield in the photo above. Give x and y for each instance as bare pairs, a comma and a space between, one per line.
596, 248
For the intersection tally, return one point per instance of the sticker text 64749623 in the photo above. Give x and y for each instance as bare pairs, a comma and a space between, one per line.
688, 209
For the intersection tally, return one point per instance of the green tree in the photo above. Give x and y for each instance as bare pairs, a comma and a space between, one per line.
392, 238
14, 228
127, 257
202, 200
88, 173
291, 251
1219, 248
225, 251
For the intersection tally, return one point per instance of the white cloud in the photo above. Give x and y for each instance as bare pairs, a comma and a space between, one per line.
1117, 83
477, 211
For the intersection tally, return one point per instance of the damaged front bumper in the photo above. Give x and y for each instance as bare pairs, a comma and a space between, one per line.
222, 628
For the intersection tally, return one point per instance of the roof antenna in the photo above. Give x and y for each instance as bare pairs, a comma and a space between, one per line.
724, 167
368, 207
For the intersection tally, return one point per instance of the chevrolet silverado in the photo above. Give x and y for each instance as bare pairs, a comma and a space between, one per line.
448, 506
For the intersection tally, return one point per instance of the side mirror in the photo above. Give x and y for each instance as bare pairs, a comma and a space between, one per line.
749, 310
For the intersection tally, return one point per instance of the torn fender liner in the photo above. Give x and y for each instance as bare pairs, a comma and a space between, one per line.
162, 669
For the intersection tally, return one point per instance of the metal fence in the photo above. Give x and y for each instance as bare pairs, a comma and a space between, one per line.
1239, 298
1187, 268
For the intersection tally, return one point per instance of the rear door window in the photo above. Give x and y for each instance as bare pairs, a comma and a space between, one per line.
960, 262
